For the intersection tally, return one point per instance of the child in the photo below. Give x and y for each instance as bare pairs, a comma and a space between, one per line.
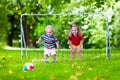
75, 40
50, 42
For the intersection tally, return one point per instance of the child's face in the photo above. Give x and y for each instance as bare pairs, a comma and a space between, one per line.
49, 32
74, 31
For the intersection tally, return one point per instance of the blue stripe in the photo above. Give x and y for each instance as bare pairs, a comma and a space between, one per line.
53, 40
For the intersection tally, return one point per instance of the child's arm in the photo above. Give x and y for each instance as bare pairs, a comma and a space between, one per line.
81, 44
37, 41
70, 44
57, 45
69, 41
41, 38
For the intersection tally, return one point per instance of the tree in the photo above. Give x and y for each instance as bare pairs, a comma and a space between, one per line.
115, 30
5, 25
91, 26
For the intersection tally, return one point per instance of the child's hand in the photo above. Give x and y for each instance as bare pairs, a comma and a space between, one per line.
79, 46
57, 46
71, 47
37, 42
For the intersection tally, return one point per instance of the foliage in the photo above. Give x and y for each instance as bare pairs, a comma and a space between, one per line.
5, 25
93, 26
115, 26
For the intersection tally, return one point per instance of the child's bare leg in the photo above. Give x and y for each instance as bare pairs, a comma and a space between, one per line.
46, 57
79, 53
72, 54
54, 57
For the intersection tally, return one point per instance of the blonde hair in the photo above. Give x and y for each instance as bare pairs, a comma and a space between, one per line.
79, 30
49, 27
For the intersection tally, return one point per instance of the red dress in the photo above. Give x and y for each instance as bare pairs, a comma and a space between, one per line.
75, 40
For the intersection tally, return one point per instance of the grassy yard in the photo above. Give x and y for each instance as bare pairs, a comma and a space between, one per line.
93, 66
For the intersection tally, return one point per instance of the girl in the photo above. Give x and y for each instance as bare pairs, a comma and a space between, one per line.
75, 40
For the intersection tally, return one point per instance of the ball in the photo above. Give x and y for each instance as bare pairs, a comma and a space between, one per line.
28, 67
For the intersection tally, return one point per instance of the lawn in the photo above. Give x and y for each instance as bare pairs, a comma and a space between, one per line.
93, 66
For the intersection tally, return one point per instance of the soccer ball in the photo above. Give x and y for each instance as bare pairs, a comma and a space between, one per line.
28, 67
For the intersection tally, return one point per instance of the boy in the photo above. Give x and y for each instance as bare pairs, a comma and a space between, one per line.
49, 43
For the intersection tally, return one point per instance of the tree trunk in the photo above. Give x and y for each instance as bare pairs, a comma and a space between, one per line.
27, 36
10, 34
10, 38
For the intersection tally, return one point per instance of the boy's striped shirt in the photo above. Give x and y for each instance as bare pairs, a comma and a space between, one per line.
49, 42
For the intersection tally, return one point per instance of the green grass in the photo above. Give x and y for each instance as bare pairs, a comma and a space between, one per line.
93, 66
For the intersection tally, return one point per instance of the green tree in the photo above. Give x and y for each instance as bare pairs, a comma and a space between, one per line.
115, 27
92, 26
5, 25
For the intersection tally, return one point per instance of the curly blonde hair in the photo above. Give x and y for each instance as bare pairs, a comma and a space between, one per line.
49, 27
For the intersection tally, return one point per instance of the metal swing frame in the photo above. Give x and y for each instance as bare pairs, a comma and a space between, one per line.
23, 42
